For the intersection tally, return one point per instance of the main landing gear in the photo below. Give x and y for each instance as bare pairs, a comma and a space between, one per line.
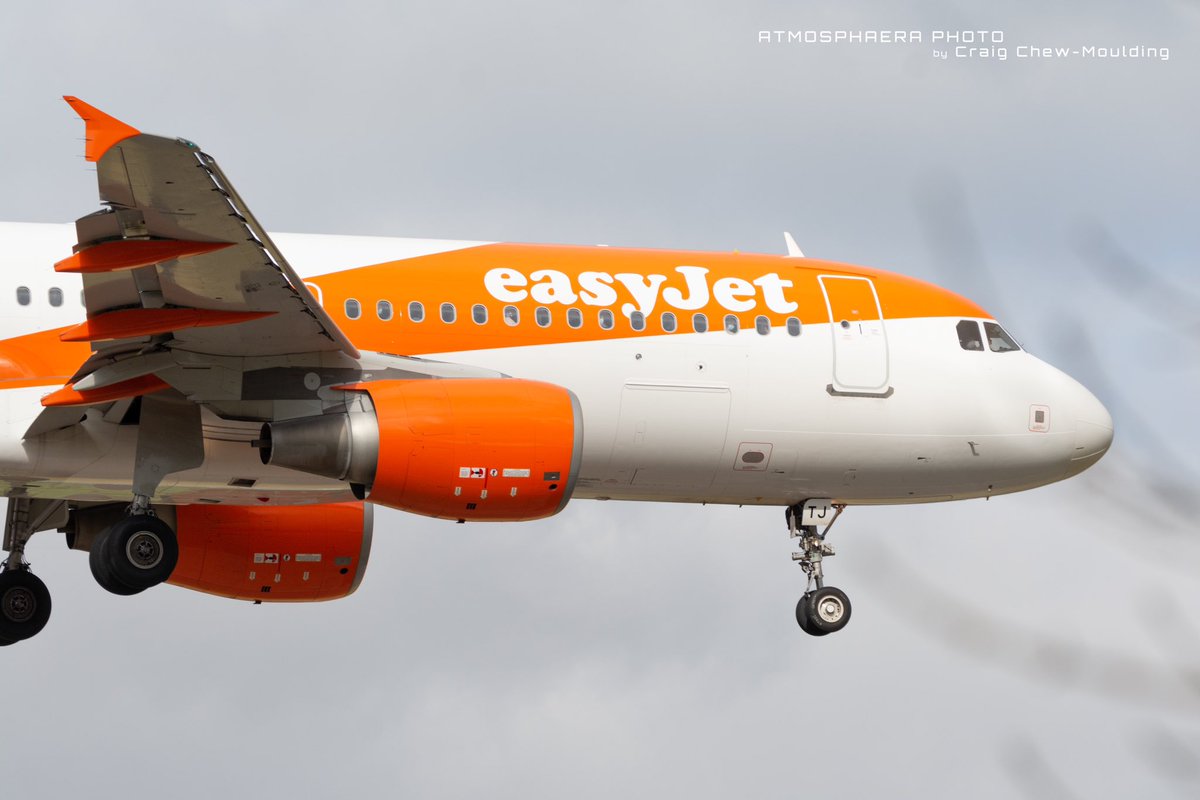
132, 554
24, 599
135, 552
822, 609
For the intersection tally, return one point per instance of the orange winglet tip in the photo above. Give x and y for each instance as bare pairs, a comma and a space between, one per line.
103, 131
69, 396
121, 254
132, 322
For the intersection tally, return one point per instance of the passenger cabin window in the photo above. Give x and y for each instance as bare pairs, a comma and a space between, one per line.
998, 339
574, 317
731, 323
353, 309
55, 297
968, 335
668, 322
512, 315
793, 326
606, 319
542, 317
449, 314
416, 311
699, 323
383, 310
637, 321
23, 295
479, 314
762, 325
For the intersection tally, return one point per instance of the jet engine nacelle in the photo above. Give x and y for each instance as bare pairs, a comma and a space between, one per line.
499, 449
267, 553
273, 554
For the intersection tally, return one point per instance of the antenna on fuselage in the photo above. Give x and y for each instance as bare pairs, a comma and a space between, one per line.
792, 248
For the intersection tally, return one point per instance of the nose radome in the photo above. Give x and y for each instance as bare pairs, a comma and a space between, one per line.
1093, 431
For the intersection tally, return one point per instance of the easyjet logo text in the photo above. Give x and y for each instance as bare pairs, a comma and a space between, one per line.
689, 289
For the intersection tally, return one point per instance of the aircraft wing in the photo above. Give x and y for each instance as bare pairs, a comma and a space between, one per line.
185, 291
178, 252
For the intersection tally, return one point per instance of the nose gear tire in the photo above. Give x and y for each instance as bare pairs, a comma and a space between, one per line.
803, 612
828, 610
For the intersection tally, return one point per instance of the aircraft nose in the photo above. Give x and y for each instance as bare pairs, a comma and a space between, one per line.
1093, 431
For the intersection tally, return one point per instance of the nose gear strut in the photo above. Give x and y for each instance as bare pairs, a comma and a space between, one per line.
822, 609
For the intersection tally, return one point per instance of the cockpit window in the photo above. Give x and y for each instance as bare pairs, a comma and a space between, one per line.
998, 339
968, 335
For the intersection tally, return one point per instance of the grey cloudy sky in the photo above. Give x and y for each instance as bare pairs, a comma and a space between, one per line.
1014, 648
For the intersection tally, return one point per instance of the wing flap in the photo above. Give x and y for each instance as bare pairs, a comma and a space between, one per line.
113, 255
138, 322
134, 387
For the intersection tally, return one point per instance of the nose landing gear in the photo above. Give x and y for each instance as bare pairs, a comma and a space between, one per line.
822, 609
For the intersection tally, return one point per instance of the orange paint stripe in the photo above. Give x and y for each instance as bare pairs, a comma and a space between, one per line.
457, 277
133, 322
103, 131
68, 396
132, 253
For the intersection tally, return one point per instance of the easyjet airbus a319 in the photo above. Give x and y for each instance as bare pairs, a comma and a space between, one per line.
194, 401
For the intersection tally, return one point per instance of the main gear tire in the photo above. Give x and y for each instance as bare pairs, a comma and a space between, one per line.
24, 605
141, 551
102, 570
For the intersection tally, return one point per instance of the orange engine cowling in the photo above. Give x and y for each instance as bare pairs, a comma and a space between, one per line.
273, 554
500, 449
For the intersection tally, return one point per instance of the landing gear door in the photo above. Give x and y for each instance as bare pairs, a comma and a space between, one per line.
860, 348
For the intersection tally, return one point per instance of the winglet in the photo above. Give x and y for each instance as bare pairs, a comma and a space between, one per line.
792, 248
103, 131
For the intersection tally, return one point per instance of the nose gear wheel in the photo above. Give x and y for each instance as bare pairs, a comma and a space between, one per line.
822, 609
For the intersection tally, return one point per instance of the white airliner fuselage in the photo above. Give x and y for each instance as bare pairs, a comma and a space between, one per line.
667, 418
